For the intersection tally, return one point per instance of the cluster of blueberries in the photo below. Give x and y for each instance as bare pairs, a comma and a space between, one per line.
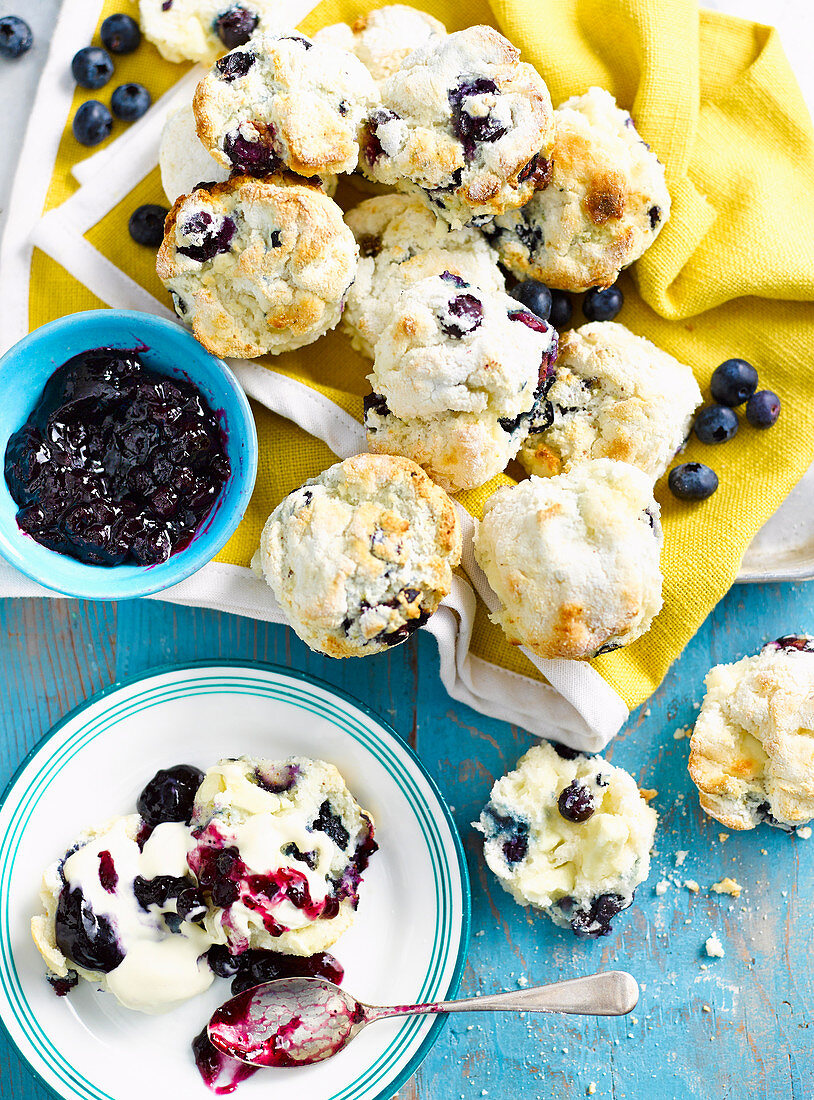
92, 68
733, 383
556, 307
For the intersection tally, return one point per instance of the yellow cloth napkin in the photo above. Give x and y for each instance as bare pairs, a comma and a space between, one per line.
731, 274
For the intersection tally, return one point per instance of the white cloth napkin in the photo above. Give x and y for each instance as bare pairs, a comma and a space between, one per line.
576, 706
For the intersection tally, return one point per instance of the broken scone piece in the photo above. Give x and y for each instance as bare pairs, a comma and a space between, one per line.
570, 835
752, 749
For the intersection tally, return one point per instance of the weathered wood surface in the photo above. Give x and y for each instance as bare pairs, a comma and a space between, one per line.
730, 1028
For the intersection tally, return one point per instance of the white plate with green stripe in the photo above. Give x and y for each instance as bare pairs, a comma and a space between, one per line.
408, 942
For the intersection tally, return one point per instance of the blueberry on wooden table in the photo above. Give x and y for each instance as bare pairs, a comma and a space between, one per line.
602, 304
535, 296
92, 123
15, 36
763, 409
146, 224
733, 382
130, 102
716, 424
92, 67
692, 481
120, 33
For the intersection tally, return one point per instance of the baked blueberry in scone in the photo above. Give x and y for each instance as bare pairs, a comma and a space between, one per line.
457, 375
362, 555
257, 266
465, 124
574, 559
604, 204
383, 38
284, 102
752, 747
615, 395
569, 835
201, 30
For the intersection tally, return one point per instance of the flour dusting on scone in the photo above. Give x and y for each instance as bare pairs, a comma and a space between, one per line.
362, 555
457, 373
574, 559
201, 30
603, 206
284, 102
615, 395
569, 835
257, 266
752, 748
401, 241
382, 38
465, 124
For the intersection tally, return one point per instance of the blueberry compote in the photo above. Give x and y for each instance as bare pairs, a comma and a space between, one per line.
116, 463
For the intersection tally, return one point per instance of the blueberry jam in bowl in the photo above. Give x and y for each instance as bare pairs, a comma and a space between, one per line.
130, 454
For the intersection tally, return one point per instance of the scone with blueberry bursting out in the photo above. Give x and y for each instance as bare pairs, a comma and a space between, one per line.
284, 102
569, 835
362, 555
383, 38
457, 375
201, 30
400, 242
604, 204
463, 123
615, 395
280, 850
257, 266
752, 747
573, 560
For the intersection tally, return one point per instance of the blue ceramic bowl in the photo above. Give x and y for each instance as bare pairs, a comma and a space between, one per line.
168, 349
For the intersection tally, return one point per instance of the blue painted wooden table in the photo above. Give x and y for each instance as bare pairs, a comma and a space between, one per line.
733, 1028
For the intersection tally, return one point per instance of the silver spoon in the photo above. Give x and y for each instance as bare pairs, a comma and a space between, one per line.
299, 1021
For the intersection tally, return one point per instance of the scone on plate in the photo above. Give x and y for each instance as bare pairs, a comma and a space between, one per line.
574, 559
603, 206
401, 241
362, 555
284, 102
201, 30
569, 835
381, 39
615, 395
752, 748
465, 124
257, 266
280, 849
456, 375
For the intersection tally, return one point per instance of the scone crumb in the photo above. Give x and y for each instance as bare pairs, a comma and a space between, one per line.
680, 857
727, 886
764, 852
591, 1089
692, 885
714, 947
522, 981
804, 833
648, 793
661, 887
723, 837
706, 1008
681, 733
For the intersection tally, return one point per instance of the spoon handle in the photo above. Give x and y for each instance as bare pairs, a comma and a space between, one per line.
613, 993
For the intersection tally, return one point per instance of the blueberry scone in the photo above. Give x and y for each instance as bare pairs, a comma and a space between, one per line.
201, 30
284, 102
574, 559
603, 206
280, 849
569, 835
382, 39
615, 395
362, 555
457, 374
752, 748
465, 124
257, 266
401, 241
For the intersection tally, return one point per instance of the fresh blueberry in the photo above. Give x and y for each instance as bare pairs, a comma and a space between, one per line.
733, 382
716, 424
235, 27
130, 102
576, 803
763, 409
602, 304
15, 36
146, 224
561, 309
692, 481
169, 795
535, 296
120, 33
92, 67
92, 123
